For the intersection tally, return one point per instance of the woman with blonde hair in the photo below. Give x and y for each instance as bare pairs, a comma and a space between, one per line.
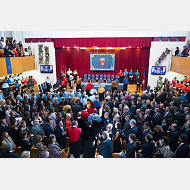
101, 91
158, 133
3, 103
148, 104
39, 145
115, 113
68, 121
7, 139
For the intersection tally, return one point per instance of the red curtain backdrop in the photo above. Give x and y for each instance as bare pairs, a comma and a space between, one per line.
75, 58
102, 42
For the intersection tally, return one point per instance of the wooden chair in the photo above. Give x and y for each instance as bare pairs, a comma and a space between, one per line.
137, 144
45, 141
18, 150
115, 155
64, 154
67, 142
33, 152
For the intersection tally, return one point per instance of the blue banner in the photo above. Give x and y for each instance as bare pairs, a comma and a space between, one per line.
8, 63
102, 61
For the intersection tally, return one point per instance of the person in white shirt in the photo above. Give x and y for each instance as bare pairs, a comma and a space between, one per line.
68, 73
2, 43
71, 82
48, 83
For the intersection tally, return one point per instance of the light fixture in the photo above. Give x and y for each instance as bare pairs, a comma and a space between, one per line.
68, 47
63, 47
129, 46
75, 47
82, 48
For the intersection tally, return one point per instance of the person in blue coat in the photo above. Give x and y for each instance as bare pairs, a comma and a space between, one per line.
104, 148
125, 83
125, 73
131, 75
49, 129
7, 153
106, 121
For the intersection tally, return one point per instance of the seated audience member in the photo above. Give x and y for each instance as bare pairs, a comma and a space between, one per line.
7, 139
131, 146
45, 154
54, 148
39, 145
8, 152
158, 133
25, 154
177, 51
25, 144
104, 148
3, 128
148, 147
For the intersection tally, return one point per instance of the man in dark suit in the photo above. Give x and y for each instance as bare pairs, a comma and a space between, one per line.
147, 147
167, 114
60, 133
156, 119
106, 121
104, 148
186, 112
143, 132
114, 103
172, 107
147, 115
152, 108
133, 129
144, 106
131, 146
177, 101
159, 99
162, 109
28, 108
163, 94
183, 149
49, 129
144, 96
187, 131
76, 108
138, 82
136, 95
174, 137
126, 126
150, 95
186, 121
178, 117
137, 114
41, 99
125, 113
81, 121
139, 103
7, 153
7, 52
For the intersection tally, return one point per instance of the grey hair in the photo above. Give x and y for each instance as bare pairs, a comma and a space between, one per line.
133, 121
45, 154
148, 110
94, 118
25, 154
126, 107
121, 155
107, 113
8, 147
109, 124
105, 133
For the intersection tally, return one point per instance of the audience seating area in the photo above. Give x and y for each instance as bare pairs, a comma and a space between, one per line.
99, 78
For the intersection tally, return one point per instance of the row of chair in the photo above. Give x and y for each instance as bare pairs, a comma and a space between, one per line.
100, 79
42, 86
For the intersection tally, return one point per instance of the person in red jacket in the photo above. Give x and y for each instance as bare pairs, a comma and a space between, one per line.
185, 79
33, 79
64, 82
120, 75
75, 140
88, 88
174, 81
85, 114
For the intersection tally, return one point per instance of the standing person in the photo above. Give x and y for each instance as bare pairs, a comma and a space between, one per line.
48, 83
101, 91
30, 83
114, 85
75, 140
138, 83
88, 135
104, 148
71, 80
88, 88
120, 75
116, 138
136, 75
68, 73
125, 73
125, 83
75, 74
64, 82
131, 76
39, 145
78, 82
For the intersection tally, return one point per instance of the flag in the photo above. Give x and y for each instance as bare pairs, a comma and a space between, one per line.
8, 64
143, 82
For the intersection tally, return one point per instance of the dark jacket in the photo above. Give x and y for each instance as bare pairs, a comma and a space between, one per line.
130, 149
76, 108
6, 154
141, 135
174, 136
182, 151
61, 139
147, 149
104, 148
157, 119
130, 131
25, 145
48, 130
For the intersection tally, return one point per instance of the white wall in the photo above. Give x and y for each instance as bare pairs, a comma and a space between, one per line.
156, 50
40, 77
78, 34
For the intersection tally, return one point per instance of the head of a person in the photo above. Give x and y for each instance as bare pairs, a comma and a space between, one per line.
138, 111
38, 138
187, 125
45, 154
8, 147
106, 115
132, 122
51, 139
109, 127
158, 129
187, 117
173, 126
36, 121
132, 137
105, 135
148, 138
121, 155
146, 125
5, 135
147, 111
139, 155
127, 117
118, 126
165, 140
23, 135
89, 122
25, 154
75, 123
68, 116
